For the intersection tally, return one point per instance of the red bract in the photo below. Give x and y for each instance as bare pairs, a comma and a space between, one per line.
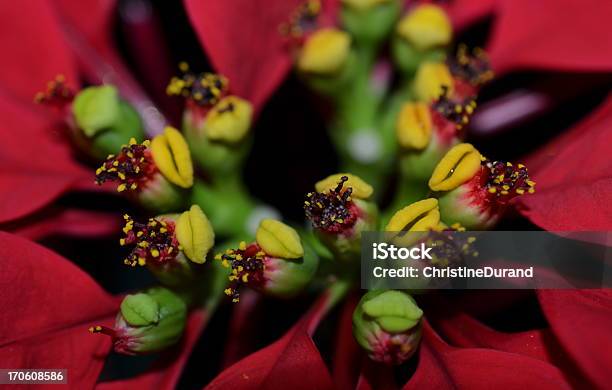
33, 49
574, 178
442, 366
66, 222
580, 322
49, 304
36, 165
291, 362
562, 35
244, 42
465, 12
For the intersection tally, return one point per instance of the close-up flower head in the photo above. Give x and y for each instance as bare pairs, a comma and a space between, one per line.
306, 194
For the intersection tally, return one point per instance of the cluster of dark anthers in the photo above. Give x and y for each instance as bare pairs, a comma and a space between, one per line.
473, 68
330, 211
505, 180
455, 111
204, 89
132, 167
154, 241
57, 94
247, 266
302, 20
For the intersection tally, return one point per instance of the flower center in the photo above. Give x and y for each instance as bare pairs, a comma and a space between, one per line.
458, 112
154, 241
204, 89
303, 20
473, 68
331, 211
247, 264
58, 94
504, 180
132, 167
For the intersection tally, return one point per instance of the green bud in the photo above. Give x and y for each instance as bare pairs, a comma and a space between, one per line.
103, 122
369, 22
140, 309
277, 264
148, 322
387, 324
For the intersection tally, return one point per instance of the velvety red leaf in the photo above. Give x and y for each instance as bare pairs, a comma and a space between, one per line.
464, 331
292, 362
166, 373
92, 19
562, 35
49, 305
36, 165
243, 41
444, 367
376, 376
574, 178
65, 222
33, 49
348, 354
465, 12
580, 320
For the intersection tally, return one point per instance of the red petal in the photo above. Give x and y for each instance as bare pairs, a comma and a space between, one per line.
444, 367
33, 49
581, 322
292, 362
347, 353
562, 35
243, 42
35, 163
65, 222
466, 12
573, 176
49, 305
167, 372
92, 19
466, 332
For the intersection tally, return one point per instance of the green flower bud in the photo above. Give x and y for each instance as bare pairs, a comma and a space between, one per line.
474, 191
172, 246
147, 322
387, 324
103, 121
276, 264
98, 119
369, 21
156, 174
